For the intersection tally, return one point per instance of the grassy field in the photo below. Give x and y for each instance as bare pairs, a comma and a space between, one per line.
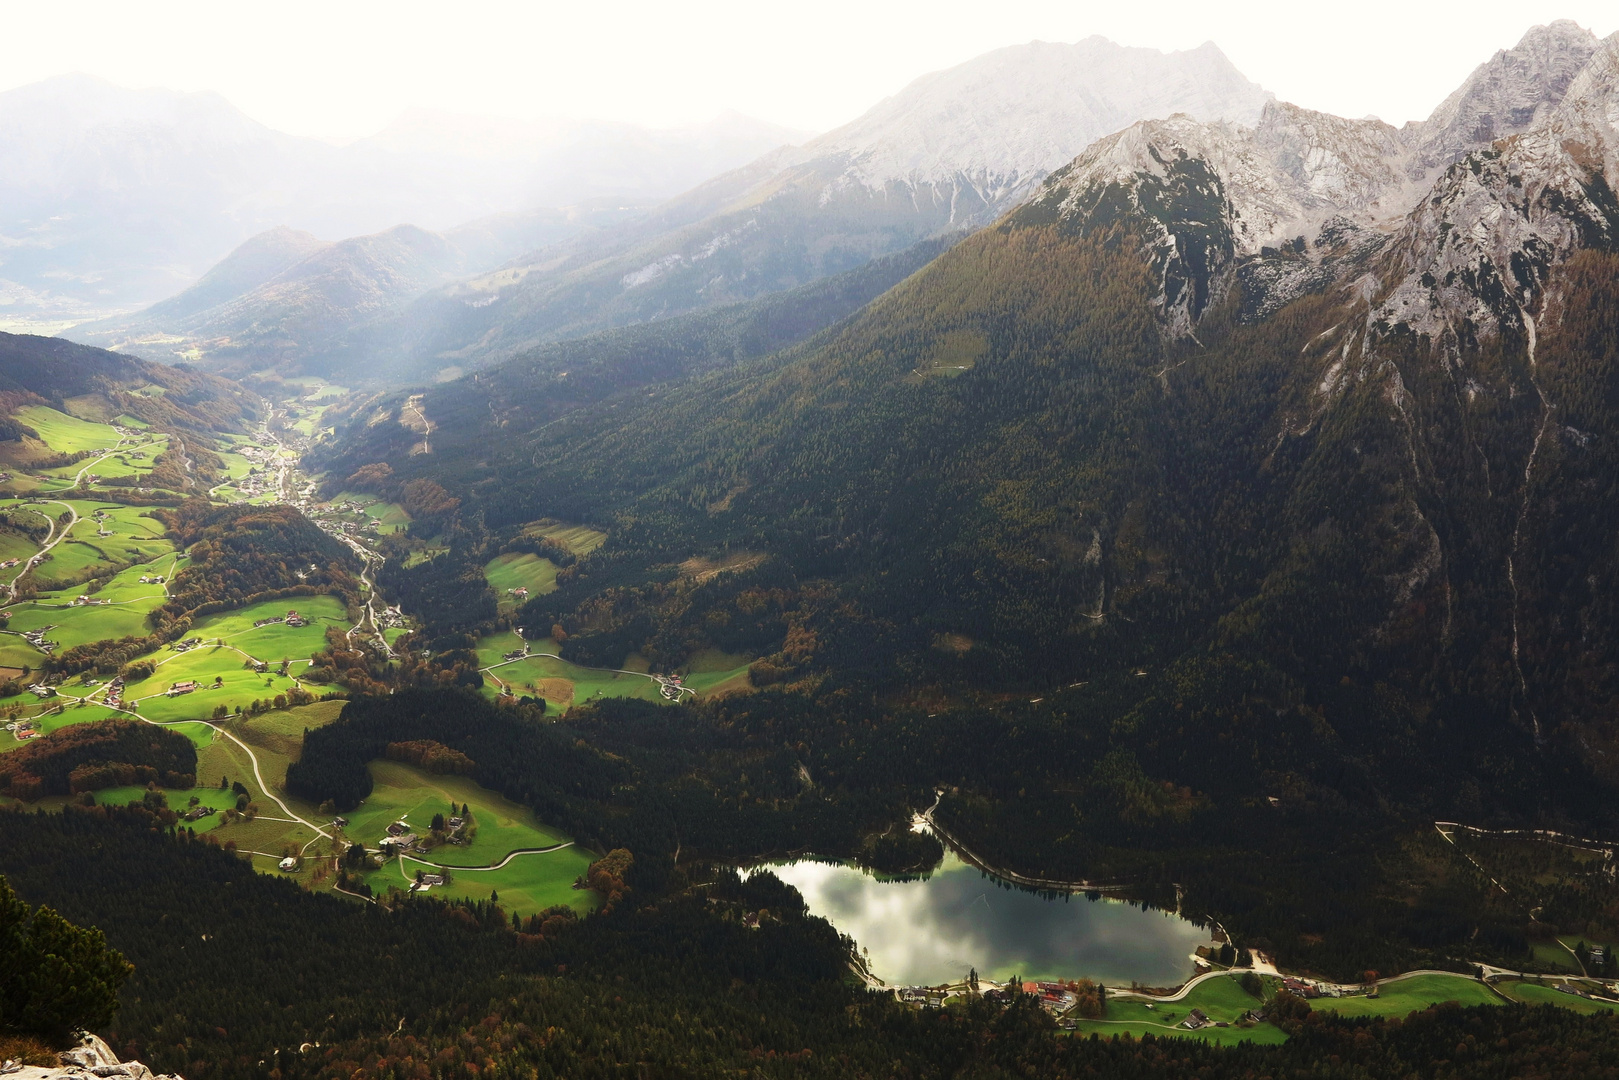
16, 546
1534, 993
528, 883
392, 516
519, 569
405, 793
579, 539
66, 434
560, 683
1220, 999
1551, 954
203, 665
123, 612
121, 463
274, 641
1408, 995
25, 705
716, 672
135, 537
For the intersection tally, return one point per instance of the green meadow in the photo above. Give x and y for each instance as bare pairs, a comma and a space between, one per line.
1406, 996
519, 569
240, 686
275, 641
560, 683
15, 546
66, 434
526, 886
716, 672
528, 883
1221, 999
25, 706
392, 516
579, 539
1538, 993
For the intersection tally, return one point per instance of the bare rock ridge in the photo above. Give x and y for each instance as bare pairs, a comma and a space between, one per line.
992, 128
1510, 92
1467, 209
92, 1059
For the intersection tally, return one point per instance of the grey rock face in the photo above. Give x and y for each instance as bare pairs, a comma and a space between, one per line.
1528, 147
91, 1058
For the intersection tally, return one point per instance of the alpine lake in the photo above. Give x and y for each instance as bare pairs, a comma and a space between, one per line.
931, 930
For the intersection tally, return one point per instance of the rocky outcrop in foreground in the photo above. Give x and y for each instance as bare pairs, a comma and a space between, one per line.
91, 1058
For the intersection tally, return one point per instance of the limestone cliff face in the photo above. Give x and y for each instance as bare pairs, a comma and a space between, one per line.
1473, 256
1466, 212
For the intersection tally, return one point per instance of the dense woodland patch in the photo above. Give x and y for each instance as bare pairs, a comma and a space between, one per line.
234, 971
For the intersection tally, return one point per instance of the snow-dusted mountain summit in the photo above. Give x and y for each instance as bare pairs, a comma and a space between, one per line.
950, 152
1000, 123
1467, 209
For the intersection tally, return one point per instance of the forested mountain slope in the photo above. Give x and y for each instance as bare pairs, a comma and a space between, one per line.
544, 383
1128, 427
283, 296
104, 385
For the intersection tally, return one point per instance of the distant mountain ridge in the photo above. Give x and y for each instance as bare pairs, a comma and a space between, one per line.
281, 294
113, 197
953, 150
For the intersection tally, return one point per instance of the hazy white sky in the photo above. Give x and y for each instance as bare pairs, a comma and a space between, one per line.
342, 68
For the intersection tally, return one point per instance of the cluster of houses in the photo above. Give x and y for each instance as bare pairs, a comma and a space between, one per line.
671, 687
42, 690
1197, 1019
521, 592
1054, 997
23, 729
1307, 989
927, 997
1561, 988
152, 579
197, 813
115, 693
187, 645
9, 563
176, 689
36, 638
88, 601
295, 619
391, 617
516, 654
399, 839
426, 881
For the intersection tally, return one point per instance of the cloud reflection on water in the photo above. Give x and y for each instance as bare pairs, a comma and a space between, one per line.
927, 932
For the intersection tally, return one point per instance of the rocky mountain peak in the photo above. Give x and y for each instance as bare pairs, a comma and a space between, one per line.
1509, 93
1002, 121
1474, 255
1529, 143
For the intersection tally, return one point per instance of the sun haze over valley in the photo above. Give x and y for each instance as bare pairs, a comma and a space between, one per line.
889, 541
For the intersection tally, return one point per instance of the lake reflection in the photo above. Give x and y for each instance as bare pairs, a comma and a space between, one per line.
929, 932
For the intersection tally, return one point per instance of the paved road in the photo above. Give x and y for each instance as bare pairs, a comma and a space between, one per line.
51, 541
